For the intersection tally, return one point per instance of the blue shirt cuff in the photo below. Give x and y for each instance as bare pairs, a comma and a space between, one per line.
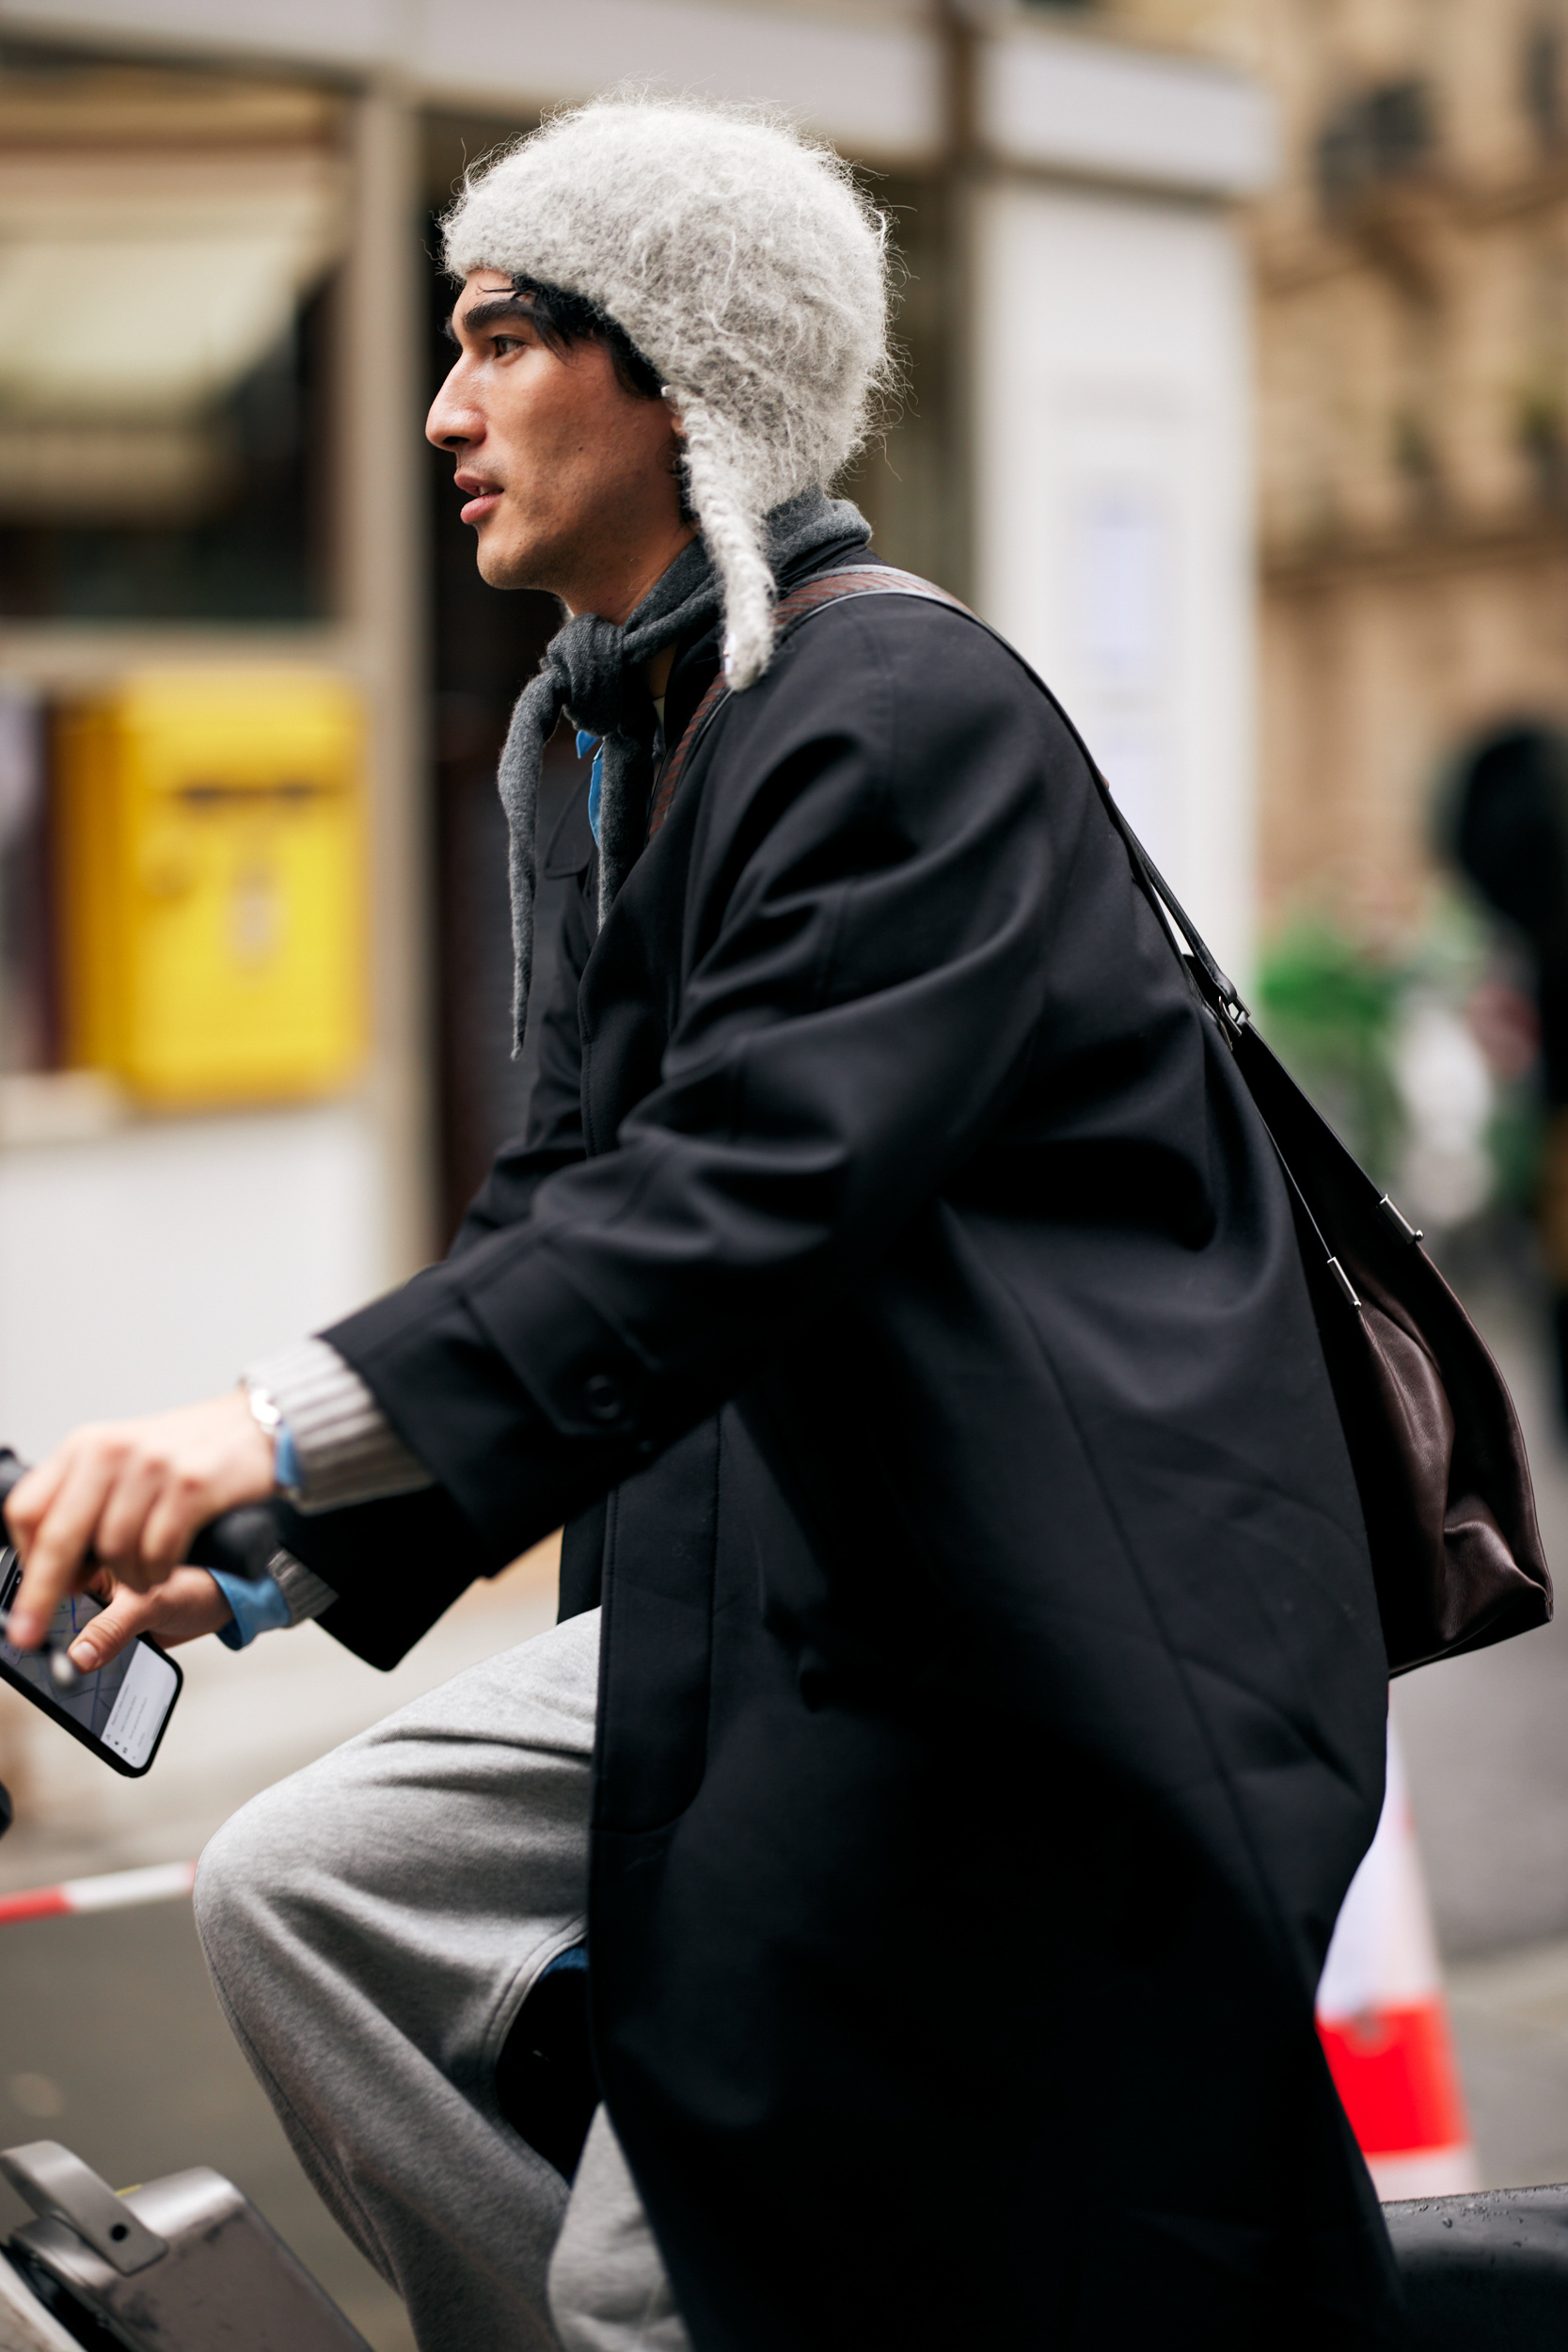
259, 1604
285, 1462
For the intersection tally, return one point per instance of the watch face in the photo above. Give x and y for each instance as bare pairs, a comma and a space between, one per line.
265, 1409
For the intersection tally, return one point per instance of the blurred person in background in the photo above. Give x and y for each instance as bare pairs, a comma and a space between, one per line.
967, 1711
1511, 839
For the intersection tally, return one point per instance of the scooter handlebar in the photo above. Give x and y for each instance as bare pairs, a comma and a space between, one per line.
240, 1542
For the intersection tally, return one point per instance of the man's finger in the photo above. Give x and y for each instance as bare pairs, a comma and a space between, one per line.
189, 1604
55, 1556
32, 1495
110, 1632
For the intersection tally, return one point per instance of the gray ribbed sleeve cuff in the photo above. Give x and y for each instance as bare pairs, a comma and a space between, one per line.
305, 1592
345, 1449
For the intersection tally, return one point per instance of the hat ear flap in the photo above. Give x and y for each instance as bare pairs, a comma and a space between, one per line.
724, 497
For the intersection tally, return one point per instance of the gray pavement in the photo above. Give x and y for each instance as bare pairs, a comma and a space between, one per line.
1487, 1738
1486, 1744
1510, 2016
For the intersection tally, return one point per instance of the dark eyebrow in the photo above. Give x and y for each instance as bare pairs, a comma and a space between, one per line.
483, 314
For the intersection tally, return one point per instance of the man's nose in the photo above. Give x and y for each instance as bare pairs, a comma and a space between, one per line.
452, 422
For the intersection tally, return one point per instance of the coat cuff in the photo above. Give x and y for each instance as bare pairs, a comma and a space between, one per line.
345, 1450
306, 1594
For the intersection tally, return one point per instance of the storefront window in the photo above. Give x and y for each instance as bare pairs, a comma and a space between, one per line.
168, 242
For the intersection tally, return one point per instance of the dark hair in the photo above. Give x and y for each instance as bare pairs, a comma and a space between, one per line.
564, 318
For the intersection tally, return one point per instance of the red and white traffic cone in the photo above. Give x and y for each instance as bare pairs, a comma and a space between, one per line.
1384, 2022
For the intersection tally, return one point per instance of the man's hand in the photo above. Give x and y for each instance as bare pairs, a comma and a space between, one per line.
187, 1605
132, 1494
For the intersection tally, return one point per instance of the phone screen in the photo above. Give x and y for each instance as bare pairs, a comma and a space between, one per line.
122, 1708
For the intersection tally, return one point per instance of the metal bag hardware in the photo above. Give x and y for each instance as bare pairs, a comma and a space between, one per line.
218, 2279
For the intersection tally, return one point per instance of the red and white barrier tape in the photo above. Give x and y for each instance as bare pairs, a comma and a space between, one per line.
116, 1890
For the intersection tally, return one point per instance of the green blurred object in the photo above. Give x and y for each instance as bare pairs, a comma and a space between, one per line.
1332, 1008
1329, 1007
1517, 1140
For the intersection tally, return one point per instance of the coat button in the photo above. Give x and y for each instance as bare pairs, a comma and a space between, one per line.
602, 1395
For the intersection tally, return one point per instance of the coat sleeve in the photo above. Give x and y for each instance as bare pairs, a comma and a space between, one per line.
884, 836
397, 1564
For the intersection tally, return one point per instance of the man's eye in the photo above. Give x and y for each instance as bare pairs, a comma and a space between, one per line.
505, 342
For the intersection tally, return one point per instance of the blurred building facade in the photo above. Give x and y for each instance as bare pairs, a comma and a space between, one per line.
1413, 289
1411, 268
218, 333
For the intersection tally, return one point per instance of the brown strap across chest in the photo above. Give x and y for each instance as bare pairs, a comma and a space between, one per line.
879, 580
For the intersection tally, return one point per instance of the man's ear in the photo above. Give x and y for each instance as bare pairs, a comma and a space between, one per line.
675, 457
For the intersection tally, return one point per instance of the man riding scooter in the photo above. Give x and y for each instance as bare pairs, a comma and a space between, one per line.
967, 1711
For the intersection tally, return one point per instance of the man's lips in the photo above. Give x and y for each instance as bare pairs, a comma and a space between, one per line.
483, 502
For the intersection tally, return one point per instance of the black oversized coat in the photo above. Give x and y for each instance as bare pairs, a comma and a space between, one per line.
896, 1292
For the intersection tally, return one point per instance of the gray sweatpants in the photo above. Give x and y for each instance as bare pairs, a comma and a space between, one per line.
374, 1925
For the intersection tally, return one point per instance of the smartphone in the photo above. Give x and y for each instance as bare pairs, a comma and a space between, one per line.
120, 1712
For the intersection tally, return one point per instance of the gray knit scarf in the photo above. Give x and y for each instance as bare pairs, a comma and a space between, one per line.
588, 667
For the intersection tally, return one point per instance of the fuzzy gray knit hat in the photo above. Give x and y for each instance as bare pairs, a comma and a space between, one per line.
747, 269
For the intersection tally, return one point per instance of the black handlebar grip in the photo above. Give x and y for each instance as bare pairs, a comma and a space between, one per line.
11, 1473
240, 1542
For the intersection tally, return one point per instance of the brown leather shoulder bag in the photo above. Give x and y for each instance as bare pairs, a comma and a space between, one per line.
1433, 1438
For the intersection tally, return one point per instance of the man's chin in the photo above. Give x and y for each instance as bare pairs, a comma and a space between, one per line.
503, 564
499, 567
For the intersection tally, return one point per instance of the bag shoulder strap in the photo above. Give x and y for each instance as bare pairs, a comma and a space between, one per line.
834, 587
883, 580
1203, 971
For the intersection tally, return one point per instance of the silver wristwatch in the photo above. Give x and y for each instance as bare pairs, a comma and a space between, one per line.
267, 1413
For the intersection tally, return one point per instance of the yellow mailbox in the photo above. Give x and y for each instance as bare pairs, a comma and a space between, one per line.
211, 869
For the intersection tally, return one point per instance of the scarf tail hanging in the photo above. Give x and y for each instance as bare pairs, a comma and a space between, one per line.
517, 782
